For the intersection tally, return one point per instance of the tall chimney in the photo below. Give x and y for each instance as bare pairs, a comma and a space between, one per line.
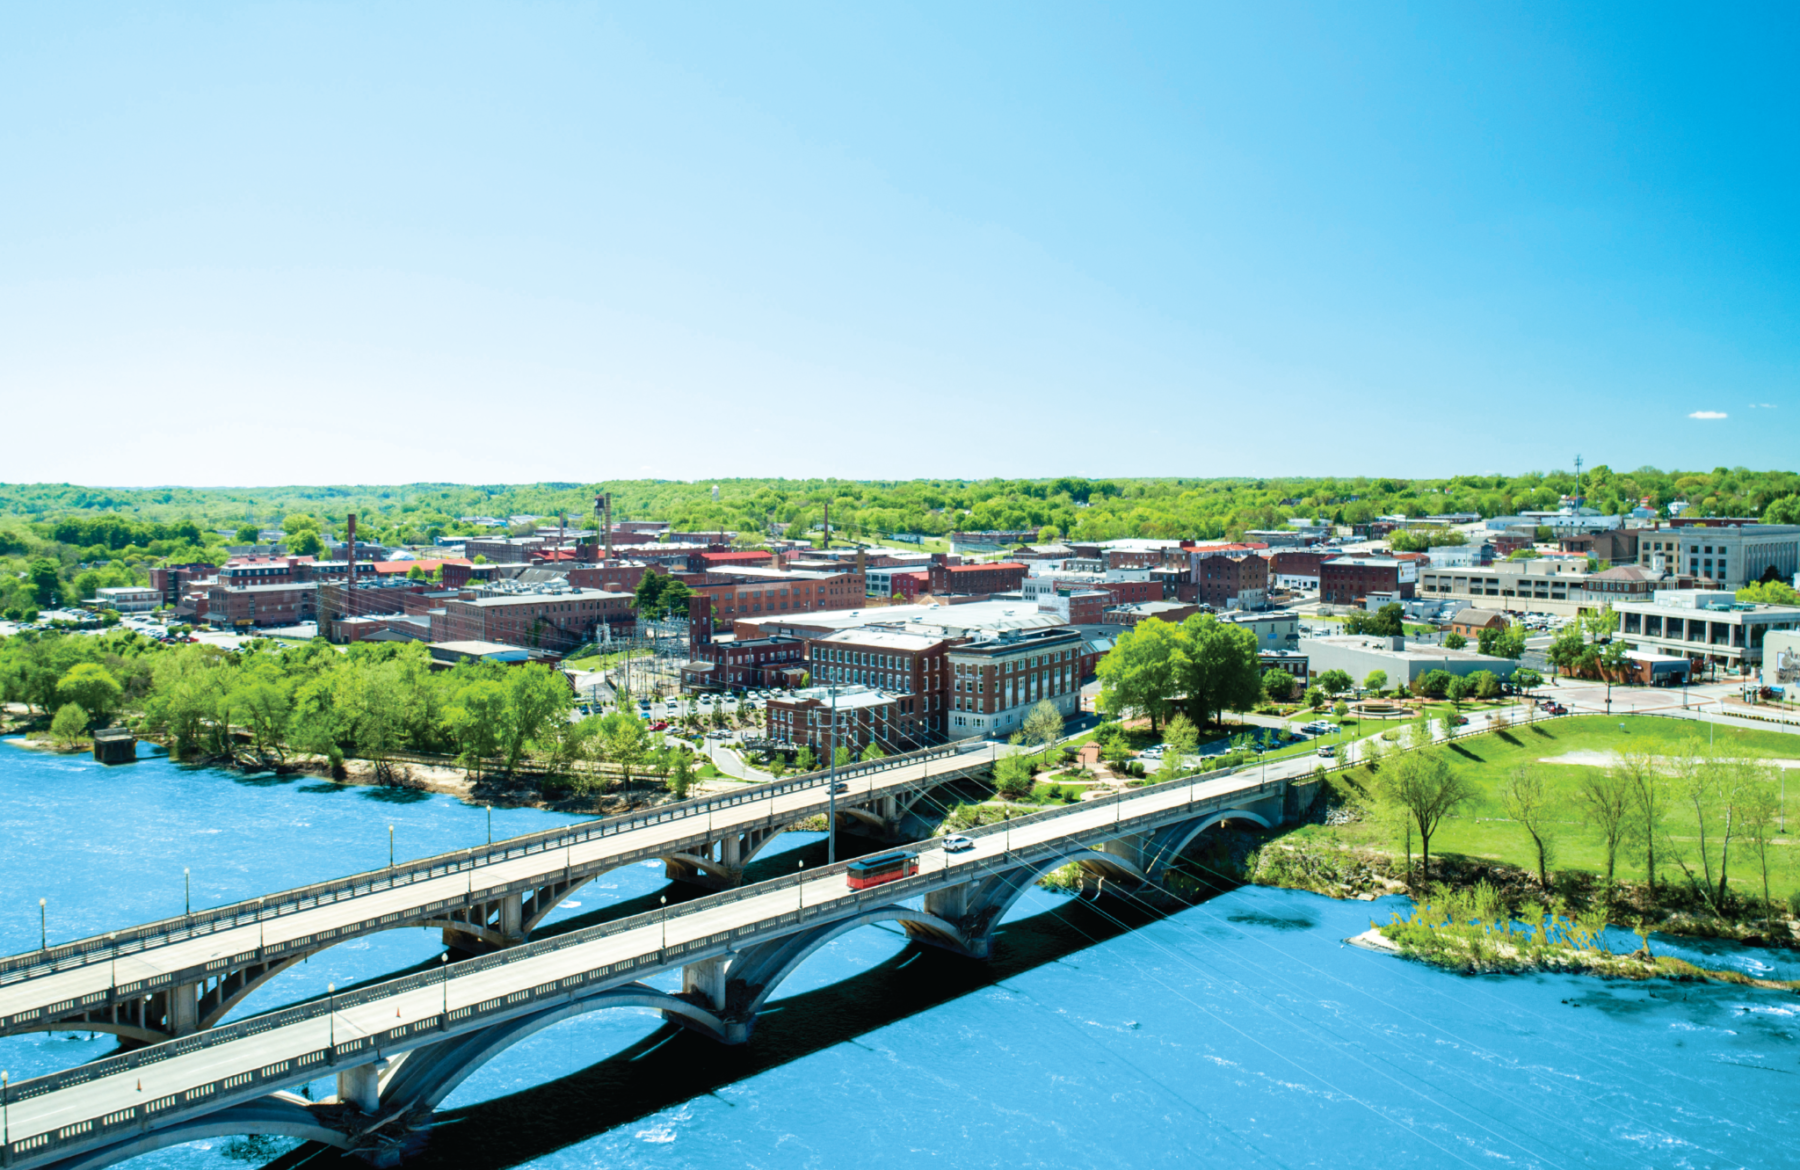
350, 589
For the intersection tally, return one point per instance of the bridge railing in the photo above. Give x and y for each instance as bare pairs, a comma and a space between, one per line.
124, 942
308, 1065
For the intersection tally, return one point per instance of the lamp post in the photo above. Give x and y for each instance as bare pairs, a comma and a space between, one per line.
330, 1017
665, 921
490, 820
5, 1111
43, 927
831, 797
187, 893
390, 847
801, 884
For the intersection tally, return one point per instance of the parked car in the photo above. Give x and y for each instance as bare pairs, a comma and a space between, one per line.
660, 725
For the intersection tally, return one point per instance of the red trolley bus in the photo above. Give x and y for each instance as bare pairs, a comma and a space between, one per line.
873, 871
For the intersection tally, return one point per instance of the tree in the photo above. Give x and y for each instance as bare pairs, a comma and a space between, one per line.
1649, 790
1140, 672
1606, 796
647, 597
805, 760
1179, 740
841, 756
70, 725
1278, 684
41, 572
1429, 790
1335, 682
1012, 777
1386, 622
1043, 725
1376, 682
305, 544
1458, 690
1454, 641
625, 740
1785, 510
536, 697
1220, 670
1527, 679
1433, 684
1566, 650
474, 718
681, 773
1528, 800
1486, 684
93, 687
873, 752
247, 534
1506, 643
1759, 810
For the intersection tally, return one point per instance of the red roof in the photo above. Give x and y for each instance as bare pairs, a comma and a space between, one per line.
994, 565
746, 555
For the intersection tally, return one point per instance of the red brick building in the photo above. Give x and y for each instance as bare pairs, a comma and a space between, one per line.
1230, 581
749, 592
261, 605
737, 559
557, 621
995, 681
1296, 568
804, 719
910, 666
1347, 580
946, 580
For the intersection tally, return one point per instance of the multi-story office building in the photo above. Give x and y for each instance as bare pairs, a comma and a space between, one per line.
1706, 626
996, 679
1724, 556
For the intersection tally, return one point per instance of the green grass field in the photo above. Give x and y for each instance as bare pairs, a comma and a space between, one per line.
1483, 831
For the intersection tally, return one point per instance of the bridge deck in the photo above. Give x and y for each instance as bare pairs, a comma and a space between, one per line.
286, 923
55, 1115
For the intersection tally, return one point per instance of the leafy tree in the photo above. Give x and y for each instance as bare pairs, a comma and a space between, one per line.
647, 597
93, 687
1142, 670
873, 752
1429, 790
1506, 643
1335, 682
1340, 708
1278, 684
626, 741
681, 773
805, 760
674, 598
1386, 622
247, 534
305, 544
1459, 689
1566, 649
1769, 593
1376, 682
475, 716
1219, 669
1433, 684
842, 755
1012, 776
1454, 641
1043, 725
1486, 684
1179, 740
536, 697
70, 725
1786, 510
41, 573
1527, 679
1649, 794
1314, 698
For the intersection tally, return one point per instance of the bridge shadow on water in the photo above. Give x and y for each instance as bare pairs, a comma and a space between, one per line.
673, 1064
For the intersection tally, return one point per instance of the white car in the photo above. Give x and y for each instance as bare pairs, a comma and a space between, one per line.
957, 843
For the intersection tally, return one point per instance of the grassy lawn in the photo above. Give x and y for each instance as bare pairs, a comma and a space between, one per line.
1482, 830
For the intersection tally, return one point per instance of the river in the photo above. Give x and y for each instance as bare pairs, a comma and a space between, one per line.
1239, 1030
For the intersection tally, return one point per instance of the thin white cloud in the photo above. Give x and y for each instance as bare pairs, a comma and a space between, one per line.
1709, 414
1762, 406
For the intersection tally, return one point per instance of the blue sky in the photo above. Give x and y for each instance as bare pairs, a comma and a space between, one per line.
321, 243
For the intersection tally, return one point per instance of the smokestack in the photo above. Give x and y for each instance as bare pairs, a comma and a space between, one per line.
349, 589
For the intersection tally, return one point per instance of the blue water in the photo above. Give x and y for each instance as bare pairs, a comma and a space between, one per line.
1241, 1031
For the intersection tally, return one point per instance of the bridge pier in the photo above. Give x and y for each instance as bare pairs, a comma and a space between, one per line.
361, 1086
182, 1015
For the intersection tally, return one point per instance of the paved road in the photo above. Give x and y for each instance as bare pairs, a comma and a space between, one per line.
98, 972
461, 988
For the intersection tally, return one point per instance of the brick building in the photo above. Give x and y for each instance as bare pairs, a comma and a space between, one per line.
995, 680
1296, 568
1230, 580
804, 719
614, 576
1346, 580
557, 620
946, 580
909, 665
261, 605
1137, 611
750, 592
172, 580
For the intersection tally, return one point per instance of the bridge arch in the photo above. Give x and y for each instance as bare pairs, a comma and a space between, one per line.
278, 1115
1170, 842
755, 974
994, 896
429, 1074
